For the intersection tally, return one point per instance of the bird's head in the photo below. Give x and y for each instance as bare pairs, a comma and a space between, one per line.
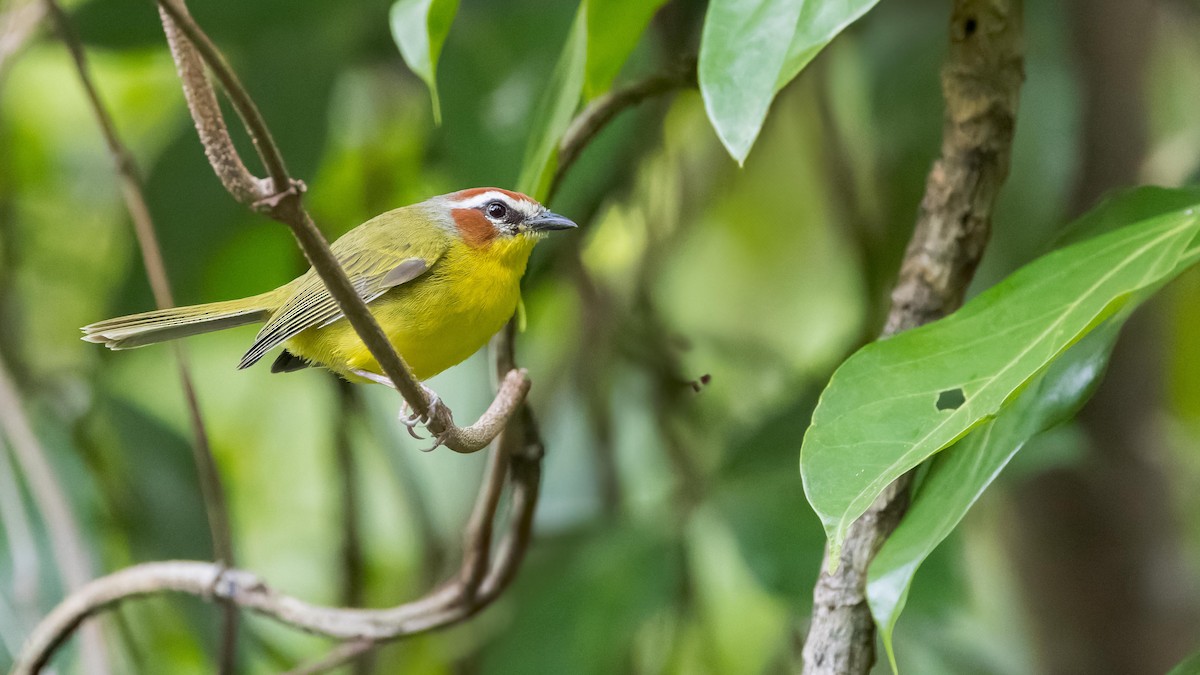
483, 217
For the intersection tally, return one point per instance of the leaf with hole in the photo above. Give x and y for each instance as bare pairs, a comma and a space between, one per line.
959, 475
879, 415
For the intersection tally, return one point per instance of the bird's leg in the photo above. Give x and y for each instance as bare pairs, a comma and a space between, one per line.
409, 421
374, 377
437, 409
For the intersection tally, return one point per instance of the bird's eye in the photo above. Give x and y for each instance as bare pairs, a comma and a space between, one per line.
497, 211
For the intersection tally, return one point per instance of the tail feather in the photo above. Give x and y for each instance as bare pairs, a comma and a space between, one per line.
136, 330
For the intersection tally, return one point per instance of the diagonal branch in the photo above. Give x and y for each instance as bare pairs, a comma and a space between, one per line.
597, 114
486, 570
211, 488
455, 601
283, 203
981, 81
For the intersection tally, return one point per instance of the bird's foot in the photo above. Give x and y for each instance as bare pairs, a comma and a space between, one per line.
437, 411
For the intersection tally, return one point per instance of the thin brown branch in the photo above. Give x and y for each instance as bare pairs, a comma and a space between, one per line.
451, 603
981, 82
593, 118
351, 593
210, 124
353, 564
456, 600
508, 421
175, 17
517, 452
477, 550
70, 554
211, 488
284, 204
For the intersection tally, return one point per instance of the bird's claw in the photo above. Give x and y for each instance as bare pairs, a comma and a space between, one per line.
411, 421
437, 410
438, 441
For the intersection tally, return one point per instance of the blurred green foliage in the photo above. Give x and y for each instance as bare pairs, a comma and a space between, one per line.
672, 535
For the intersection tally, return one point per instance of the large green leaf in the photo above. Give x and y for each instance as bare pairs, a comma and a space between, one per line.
419, 28
743, 47
961, 473
556, 109
613, 30
750, 49
819, 23
897, 402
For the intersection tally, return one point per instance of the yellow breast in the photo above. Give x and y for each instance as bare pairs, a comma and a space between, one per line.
435, 321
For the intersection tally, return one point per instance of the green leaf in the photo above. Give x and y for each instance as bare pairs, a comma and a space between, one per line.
750, 49
1127, 206
743, 47
555, 110
419, 28
819, 23
613, 30
959, 474
879, 416
1188, 666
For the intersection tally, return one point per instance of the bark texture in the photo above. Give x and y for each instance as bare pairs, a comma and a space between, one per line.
981, 82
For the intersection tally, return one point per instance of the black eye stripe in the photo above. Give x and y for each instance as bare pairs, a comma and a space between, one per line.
502, 212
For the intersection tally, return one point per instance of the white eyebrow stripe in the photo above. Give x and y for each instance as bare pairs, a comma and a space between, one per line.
527, 208
478, 200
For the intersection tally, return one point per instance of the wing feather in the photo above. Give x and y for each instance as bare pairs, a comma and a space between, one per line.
375, 256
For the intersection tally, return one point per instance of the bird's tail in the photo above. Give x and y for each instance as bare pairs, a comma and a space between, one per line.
136, 330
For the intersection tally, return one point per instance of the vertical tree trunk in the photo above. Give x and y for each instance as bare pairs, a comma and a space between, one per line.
1099, 548
981, 82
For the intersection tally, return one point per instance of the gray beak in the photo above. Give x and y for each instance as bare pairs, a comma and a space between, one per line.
549, 221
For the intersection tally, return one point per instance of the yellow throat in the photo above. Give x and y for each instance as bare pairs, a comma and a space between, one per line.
441, 277
435, 324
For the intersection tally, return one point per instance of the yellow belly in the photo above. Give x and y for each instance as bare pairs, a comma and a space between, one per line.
434, 322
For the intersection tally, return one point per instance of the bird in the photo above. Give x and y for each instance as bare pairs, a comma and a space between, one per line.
440, 276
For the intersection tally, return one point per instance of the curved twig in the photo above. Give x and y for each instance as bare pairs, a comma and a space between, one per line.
283, 203
66, 540
449, 604
597, 114
211, 489
508, 422
177, 17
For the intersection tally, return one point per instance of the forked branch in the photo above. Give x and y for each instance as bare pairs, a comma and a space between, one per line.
211, 488
485, 570
279, 197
